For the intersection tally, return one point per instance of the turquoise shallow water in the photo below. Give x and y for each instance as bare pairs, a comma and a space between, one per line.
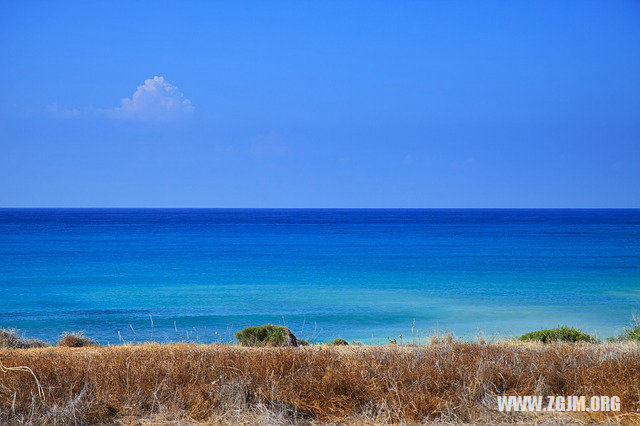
202, 274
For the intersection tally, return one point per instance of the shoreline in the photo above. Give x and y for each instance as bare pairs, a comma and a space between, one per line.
629, 331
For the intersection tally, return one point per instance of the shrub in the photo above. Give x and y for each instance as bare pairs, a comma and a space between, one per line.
558, 334
10, 339
303, 342
339, 342
631, 332
76, 340
266, 335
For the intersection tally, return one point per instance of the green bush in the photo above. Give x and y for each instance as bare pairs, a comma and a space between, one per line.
9, 339
633, 333
266, 335
303, 342
339, 342
558, 334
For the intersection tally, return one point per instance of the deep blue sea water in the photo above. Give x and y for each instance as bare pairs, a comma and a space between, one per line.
202, 274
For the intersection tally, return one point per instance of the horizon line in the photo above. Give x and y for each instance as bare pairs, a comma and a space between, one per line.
315, 208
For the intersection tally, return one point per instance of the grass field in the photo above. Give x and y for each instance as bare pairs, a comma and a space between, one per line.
447, 381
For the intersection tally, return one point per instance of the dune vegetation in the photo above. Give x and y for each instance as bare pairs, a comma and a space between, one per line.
558, 334
443, 381
11, 339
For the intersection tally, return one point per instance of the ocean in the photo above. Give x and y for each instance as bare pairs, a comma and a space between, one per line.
132, 275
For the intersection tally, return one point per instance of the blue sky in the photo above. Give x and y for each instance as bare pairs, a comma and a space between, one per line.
320, 104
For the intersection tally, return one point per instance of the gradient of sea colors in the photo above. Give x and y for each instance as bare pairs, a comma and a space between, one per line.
358, 274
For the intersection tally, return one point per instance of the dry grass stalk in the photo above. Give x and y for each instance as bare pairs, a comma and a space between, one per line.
4, 370
447, 381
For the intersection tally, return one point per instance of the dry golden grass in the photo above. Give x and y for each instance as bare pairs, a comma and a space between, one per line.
443, 382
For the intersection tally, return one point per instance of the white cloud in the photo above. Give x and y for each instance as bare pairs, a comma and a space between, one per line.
155, 100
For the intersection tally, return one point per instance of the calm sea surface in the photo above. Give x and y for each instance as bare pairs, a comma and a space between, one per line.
202, 274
